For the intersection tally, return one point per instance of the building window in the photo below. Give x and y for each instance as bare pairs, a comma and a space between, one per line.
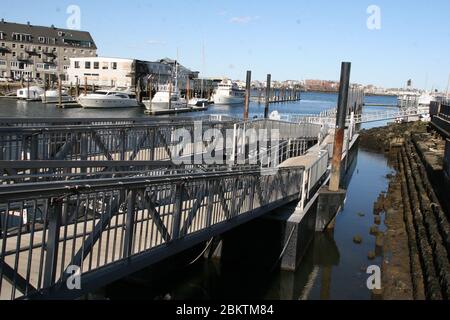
96, 65
22, 46
87, 65
14, 45
65, 58
66, 67
114, 65
14, 54
105, 65
77, 64
2, 63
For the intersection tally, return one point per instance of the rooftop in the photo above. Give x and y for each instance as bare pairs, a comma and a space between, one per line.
63, 37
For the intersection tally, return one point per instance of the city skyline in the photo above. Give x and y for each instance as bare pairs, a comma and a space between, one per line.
291, 40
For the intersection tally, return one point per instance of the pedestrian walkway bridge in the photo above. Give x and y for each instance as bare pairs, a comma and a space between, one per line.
96, 200
329, 117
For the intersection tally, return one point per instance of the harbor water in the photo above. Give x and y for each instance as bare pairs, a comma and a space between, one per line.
311, 103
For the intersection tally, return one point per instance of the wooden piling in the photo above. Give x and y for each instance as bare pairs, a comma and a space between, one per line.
138, 91
45, 87
28, 89
247, 94
188, 90
150, 91
170, 95
340, 127
59, 90
266, 107
85, 86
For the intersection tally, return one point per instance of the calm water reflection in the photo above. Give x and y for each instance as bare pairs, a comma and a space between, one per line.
311, 103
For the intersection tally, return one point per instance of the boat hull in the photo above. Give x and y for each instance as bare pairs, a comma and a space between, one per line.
33, 95
163, 105
96, 103
228, 100
56, 99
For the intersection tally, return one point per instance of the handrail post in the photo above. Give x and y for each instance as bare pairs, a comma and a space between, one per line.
177, 211
54, 215
129, 226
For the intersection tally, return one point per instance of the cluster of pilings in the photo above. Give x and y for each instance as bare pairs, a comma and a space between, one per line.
426, 224
283, 94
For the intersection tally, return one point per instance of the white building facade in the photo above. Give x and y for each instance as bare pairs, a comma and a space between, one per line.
119, 72
101, 71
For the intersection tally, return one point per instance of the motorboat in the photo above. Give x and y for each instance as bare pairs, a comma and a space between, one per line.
52, 96
109, 99
164, 99
228, 93
167, 97
31, 93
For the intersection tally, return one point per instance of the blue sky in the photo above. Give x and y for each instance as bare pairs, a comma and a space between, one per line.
290, 39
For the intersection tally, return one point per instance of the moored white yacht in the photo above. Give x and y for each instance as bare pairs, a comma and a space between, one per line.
229, 93
161, 100
167, 97
33, 94
109, 99
52, 96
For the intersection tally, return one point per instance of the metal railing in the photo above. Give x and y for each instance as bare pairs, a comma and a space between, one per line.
107, 199
124, 142
48, 231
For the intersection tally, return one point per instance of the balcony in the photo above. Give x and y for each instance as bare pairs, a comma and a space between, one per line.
31, 52
50, 54
26, 60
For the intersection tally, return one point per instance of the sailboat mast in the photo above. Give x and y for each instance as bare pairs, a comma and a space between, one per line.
203, 67
176, 76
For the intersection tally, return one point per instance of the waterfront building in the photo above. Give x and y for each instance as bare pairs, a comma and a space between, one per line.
123, 72
29, 51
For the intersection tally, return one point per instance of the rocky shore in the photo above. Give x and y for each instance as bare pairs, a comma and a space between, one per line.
416, 245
